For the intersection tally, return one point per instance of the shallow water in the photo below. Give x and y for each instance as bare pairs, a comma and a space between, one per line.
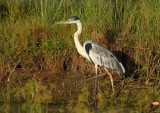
31, 108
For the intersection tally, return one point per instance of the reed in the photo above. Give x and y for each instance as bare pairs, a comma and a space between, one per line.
38, 57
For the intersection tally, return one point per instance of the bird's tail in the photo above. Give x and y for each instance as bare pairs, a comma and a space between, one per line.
122, 68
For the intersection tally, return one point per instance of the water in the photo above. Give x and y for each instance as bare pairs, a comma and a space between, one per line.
22, 107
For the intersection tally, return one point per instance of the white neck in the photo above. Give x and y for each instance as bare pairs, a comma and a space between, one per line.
79, 47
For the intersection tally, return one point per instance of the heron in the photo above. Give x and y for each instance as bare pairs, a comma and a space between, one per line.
95, 53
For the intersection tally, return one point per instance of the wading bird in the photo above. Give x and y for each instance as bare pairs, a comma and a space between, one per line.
95, 53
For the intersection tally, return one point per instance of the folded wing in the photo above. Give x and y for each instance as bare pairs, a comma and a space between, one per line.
103, 57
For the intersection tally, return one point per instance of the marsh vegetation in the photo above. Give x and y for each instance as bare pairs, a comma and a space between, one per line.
41, 71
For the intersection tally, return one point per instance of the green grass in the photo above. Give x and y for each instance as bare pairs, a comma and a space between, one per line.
38, 59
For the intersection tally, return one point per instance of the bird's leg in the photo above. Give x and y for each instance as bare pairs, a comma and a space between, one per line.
95, 83
111, 79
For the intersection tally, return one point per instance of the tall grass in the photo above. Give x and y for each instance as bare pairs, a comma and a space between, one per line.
34, 53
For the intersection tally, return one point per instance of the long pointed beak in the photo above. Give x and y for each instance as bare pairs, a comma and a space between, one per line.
63, 22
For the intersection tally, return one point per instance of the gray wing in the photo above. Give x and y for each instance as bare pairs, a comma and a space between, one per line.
103, 57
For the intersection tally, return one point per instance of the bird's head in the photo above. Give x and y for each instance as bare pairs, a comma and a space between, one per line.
71, 20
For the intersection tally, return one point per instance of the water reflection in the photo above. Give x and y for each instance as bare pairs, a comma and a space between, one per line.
20, 107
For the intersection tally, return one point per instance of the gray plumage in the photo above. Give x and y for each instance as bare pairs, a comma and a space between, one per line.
102, 57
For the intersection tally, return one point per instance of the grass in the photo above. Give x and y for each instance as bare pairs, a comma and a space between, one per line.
39, 64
